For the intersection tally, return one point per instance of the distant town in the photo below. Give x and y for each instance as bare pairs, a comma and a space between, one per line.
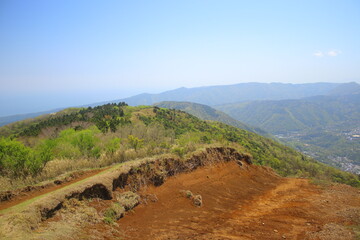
297, 139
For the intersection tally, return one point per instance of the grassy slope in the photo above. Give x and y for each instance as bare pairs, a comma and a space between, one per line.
173, 131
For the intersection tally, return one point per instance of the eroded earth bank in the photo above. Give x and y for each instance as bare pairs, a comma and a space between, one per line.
215, 194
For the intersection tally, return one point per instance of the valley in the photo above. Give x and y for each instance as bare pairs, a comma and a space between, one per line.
324, 127
342, 152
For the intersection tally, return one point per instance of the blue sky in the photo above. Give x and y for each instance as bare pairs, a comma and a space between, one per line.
64, 53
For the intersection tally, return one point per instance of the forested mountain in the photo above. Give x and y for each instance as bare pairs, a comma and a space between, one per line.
208, 113
216, 95
294, 115
96, 137
325, 127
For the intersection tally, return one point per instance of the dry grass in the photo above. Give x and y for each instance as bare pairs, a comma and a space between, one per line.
73, 215
128, 200
61, 167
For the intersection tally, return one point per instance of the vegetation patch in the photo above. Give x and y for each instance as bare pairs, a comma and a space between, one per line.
114, 213
128, 200
116, 133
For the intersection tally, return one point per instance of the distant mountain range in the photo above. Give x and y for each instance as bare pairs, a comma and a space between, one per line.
225, 94
217, 95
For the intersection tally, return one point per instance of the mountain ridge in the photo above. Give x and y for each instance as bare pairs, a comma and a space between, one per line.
216, 95
213, 95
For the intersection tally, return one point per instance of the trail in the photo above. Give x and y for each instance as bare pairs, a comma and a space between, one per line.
284, 211
28, 195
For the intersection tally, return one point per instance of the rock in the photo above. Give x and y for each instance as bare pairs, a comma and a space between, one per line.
197, 200
276, 231
187, 193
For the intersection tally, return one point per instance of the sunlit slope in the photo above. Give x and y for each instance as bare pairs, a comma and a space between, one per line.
95, 137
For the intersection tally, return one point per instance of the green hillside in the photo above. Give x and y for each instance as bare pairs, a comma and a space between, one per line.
205, 112
320, 126
112, 133
294, 115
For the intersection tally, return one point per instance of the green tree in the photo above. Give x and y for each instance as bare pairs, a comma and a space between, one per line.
18, 160
135, 142
13, 156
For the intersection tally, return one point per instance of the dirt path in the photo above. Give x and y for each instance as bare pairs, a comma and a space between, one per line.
24, 196
282, 212
239, 203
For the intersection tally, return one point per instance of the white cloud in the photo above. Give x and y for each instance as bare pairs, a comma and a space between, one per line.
333, 53
330, 53
318, 54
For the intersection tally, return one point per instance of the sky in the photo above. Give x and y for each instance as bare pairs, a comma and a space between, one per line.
68, 53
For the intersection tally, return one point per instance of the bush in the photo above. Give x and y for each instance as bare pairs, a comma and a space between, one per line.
13, 156
75, 144
18, 160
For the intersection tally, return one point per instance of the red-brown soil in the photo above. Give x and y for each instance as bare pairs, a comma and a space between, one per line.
23, 195
239, 202
248, 202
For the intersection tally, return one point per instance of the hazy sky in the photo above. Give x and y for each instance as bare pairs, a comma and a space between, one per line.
62, 53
